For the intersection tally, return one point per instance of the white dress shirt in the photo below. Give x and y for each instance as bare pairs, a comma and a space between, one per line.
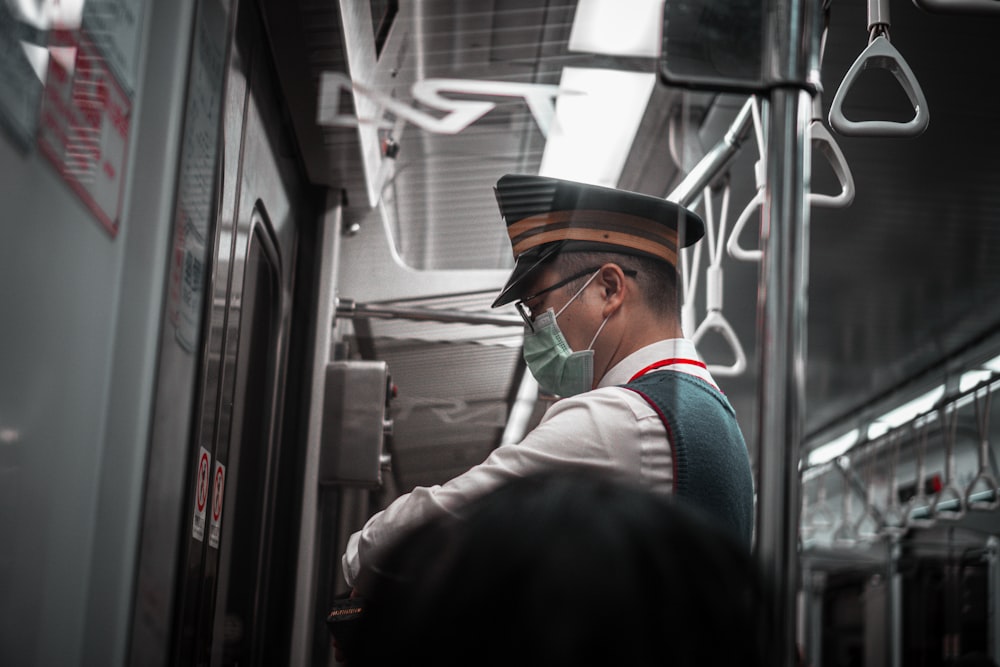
608, 428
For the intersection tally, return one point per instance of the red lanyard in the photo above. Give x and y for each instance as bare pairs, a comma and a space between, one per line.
667, 362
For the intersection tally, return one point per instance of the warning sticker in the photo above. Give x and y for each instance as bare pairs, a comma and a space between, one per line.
201, 495
218, 489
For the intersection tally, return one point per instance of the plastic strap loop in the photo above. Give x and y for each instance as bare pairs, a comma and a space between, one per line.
881, 54
733, 247
715, 232
983, 477
824, 142
950, 493
920, 501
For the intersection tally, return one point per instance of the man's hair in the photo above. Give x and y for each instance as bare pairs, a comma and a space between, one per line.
657, 279
567, 568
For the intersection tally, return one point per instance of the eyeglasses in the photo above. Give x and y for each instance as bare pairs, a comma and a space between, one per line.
525, 311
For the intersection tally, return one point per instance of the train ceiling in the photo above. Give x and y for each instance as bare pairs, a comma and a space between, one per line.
900, 281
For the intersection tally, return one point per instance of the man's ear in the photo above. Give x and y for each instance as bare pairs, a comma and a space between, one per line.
613, 288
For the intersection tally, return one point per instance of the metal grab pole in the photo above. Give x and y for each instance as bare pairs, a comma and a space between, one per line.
782, 333
791, 60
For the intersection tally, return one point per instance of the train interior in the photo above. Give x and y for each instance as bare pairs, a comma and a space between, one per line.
249, 253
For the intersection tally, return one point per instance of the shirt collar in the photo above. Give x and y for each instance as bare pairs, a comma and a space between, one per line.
673, 348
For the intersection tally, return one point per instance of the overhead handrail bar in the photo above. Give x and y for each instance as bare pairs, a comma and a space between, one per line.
949, 490
349, 309
714, 319
983, 475
827, 146
715, 161
959, 6
880, 54
733, 247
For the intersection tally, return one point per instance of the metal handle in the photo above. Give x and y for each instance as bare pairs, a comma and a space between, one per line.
881, 54
824, 142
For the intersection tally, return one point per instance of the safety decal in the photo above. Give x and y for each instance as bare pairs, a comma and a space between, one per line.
201, 495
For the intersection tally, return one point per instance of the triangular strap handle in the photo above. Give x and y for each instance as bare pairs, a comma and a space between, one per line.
733, 247
948, 503
716, 321
881, 54
824, 142
986, 482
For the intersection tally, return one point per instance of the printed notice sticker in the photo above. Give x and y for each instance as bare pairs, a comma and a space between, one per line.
218, 493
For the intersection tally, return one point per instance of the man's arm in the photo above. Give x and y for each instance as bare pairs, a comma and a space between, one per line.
592, 430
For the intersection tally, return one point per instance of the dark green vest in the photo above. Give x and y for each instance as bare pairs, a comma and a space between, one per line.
711, 464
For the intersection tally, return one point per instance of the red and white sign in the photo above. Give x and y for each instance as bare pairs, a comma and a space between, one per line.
201, 482
84, 125
218, 491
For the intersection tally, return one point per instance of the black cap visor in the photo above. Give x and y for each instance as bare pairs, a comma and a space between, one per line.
525, 267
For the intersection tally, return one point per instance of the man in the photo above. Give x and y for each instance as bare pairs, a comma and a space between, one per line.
595, 280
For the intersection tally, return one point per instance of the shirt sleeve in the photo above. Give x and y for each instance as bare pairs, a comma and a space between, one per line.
591, 430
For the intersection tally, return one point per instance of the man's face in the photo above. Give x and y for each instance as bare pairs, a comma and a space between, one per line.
575, 320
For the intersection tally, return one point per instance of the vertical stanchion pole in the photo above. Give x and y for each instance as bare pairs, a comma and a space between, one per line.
791, 60
993, 596
895, 604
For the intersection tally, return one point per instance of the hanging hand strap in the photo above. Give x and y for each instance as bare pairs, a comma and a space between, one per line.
733, 247
826, 145
880, 54
950, 494
984, 478
920, 502
690, 267
714, 319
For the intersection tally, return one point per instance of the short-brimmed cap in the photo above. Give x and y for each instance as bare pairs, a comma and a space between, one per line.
548, 216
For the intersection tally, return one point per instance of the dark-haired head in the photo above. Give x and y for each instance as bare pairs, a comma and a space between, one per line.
566, 569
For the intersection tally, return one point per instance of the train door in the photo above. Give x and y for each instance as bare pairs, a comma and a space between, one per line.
235, 587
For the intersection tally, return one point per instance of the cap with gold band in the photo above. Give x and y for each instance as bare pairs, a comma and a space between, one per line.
549, 216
